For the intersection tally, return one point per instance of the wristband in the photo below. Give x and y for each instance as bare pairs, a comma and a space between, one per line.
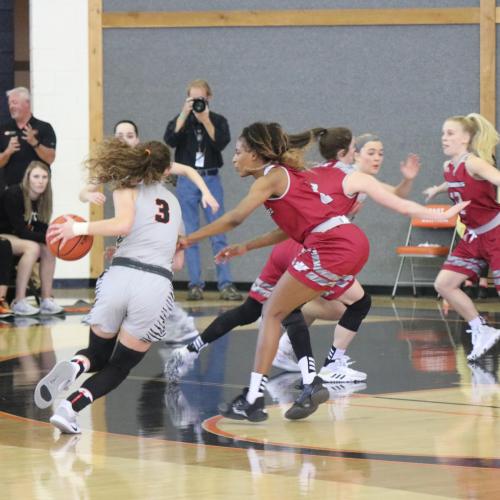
81, 228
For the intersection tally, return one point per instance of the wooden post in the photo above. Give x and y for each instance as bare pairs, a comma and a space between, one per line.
487, 56
96, 106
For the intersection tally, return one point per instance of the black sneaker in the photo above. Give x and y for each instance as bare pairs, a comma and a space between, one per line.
307, 403
230, 293
241, 409
195, 293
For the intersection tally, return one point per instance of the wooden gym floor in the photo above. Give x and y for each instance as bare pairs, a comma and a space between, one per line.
425, 425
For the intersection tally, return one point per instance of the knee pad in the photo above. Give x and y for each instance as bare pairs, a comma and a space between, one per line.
356, 313
98, 351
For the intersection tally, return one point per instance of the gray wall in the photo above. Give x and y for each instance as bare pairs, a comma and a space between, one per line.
398, 82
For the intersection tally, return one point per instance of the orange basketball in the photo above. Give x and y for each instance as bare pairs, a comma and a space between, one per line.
76, 247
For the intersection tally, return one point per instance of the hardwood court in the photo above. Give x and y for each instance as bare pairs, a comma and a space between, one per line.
425, 425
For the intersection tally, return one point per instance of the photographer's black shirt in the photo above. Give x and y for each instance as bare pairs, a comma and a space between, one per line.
186, 144
13, 171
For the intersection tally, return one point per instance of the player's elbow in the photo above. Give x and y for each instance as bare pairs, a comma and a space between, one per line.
234, 219
123, 227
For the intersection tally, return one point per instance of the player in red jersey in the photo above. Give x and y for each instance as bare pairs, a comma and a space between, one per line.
469, 141
310, 207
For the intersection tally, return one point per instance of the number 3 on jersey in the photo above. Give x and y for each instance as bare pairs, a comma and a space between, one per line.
163, 214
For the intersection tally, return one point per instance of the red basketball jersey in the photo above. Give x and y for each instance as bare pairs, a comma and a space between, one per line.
313, 196
482, 194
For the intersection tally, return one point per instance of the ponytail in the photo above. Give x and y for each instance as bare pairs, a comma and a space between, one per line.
485, 139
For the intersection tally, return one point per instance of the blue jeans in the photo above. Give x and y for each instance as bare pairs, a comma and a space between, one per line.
190, 200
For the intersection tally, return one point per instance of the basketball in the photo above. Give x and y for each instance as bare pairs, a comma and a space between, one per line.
76, 247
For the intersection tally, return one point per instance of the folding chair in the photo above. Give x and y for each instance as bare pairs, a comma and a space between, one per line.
411, 251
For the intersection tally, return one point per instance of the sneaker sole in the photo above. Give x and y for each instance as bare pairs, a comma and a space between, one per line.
226, 412
63, 425
485, 349
300, 412
26, 314
50, 385
340, 380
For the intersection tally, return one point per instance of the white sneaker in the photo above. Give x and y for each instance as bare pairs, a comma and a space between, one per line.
57, 380
180, 362
23, 308
49, 306
339, 371
483, 339
285, 357
65, 419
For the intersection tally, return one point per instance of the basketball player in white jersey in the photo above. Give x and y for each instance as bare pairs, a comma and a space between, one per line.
134, 296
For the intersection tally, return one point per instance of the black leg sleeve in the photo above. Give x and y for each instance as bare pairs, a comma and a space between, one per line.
298, 332
246, 313
98, 352
114, 373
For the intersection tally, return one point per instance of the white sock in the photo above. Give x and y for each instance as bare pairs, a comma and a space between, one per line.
307, 369
476, 323
257, 386
338, 353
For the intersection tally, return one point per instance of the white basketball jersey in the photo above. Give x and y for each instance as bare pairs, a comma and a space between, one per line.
158, 221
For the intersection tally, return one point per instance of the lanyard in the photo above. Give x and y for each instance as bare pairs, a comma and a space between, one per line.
198, 132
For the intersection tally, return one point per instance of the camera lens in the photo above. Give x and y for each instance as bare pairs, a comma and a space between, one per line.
199, 105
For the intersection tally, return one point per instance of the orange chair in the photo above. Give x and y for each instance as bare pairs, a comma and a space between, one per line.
412, 251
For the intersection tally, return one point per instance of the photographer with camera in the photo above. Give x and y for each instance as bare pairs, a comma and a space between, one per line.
23, 139
199, 135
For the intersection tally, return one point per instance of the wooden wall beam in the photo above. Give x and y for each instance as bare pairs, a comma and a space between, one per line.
487, 59
317, 17
96, 107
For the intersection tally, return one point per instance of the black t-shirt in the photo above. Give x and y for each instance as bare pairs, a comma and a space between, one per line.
186, 144
12, 216
13, 171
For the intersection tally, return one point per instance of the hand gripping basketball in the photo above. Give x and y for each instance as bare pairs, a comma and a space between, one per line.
71, 249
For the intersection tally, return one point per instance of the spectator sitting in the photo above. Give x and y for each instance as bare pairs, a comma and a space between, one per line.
24, 216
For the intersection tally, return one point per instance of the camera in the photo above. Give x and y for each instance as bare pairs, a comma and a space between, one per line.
199, 104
